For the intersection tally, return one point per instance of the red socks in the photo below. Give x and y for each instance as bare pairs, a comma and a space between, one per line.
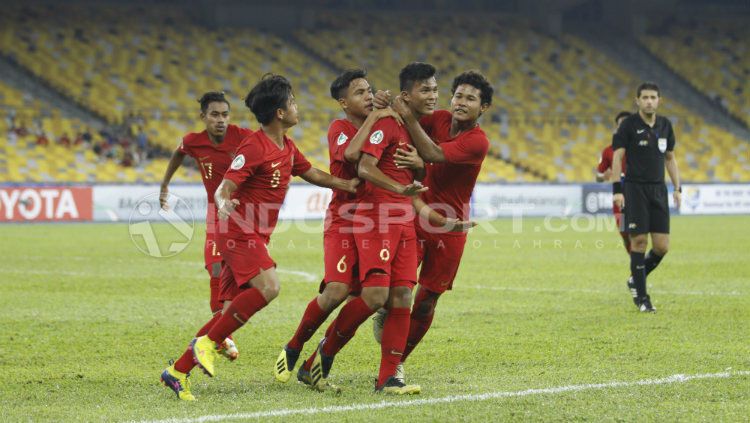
312, 319
395, 331
215, 304
350, 317
242, 308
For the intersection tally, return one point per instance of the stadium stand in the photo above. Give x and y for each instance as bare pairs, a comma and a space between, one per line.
142, 72
713, 54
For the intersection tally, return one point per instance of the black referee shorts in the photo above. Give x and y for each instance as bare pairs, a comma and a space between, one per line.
646, 208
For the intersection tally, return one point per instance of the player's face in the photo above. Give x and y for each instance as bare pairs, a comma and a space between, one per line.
648, 101
216, 118
466, 103
289, 116
358, 99
422, 98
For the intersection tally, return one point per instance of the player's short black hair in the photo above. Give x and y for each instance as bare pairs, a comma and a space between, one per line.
267, 96
212, 97
342, 82
647, 86
623, 114
476, 80
414, 72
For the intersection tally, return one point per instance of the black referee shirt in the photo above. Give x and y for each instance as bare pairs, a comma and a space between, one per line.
645, 148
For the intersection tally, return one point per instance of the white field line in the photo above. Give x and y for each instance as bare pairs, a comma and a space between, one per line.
678, 378
314, 278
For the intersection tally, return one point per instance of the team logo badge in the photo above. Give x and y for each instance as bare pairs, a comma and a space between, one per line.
238, 162
341, 139
376, 137
662, 144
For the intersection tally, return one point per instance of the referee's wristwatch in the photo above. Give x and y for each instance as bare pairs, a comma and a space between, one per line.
679, 189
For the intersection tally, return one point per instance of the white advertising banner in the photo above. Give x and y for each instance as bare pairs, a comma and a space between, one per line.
490, 200
141, 202
715, 199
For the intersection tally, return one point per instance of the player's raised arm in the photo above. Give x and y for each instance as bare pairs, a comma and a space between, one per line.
326, 180
369, 171
427, 149
174, 163
354, 150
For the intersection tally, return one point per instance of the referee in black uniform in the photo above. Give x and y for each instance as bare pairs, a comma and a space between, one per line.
648, 141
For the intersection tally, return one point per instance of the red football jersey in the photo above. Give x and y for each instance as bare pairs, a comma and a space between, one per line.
340, 134
605, 161
452, 182
213, 159
262, 172
385, 137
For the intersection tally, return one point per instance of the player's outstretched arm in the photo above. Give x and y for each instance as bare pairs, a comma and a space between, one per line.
368, 170
618, 198
429, 151
354, 150
438, 220
674, 175
326, 180
224, 203
174, 163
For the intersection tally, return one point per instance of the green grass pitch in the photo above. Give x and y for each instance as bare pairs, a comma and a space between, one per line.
88, 323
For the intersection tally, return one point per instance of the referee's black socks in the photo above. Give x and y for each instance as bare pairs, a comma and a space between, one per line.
638, 270
652, 260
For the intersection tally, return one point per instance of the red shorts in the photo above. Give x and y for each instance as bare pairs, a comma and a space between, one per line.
211, 252
393, 252
340, 258
440, 255
243, 260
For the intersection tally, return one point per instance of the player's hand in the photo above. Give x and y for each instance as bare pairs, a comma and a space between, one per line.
408, 158
399, 105
381, 99
677, 199
163, 196
455, 225
413, 189
619, 200
351, 185
227, 207
389, 112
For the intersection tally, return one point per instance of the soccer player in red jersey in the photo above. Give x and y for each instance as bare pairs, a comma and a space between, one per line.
385, 238
213, 150
345, 139
454, 147
604, 172
248, 202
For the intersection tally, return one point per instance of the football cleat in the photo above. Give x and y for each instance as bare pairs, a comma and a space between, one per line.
204, 353
229, 349
378, 320
400, 375
178, 382
285, 364
393, 386
303, 375
319, 369
644, 305
633, 291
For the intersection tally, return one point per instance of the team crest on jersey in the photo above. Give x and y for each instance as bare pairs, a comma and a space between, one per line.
662, 144
341, 139
376, 137
238, 162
